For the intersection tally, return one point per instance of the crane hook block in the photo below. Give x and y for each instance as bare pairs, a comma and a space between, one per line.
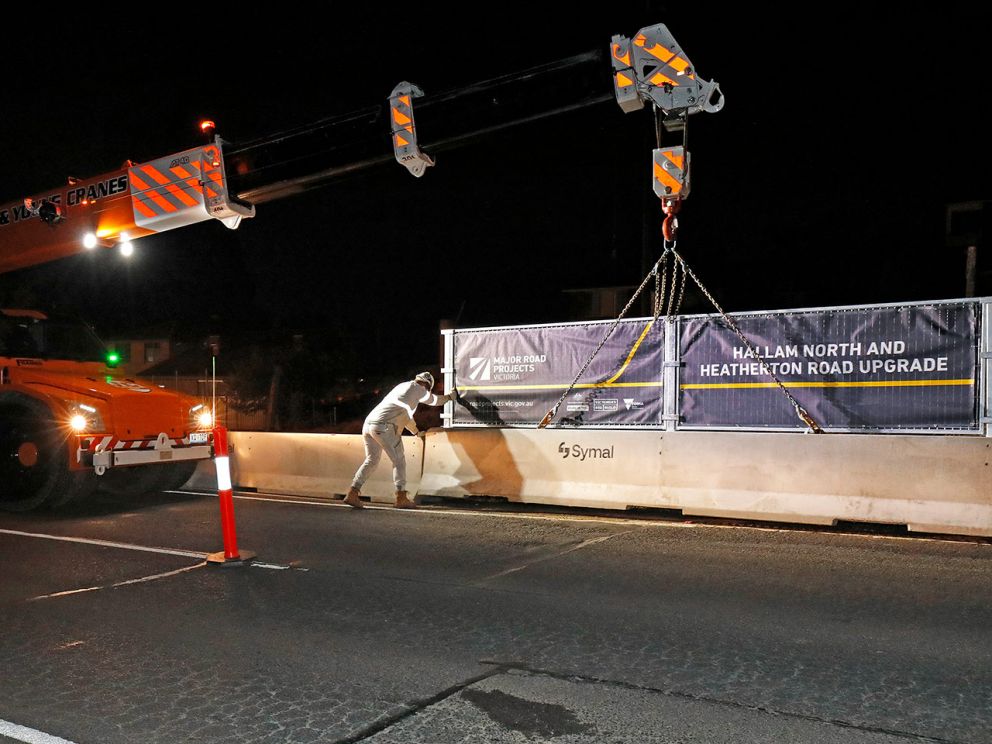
671, 173
652, 68
404, 132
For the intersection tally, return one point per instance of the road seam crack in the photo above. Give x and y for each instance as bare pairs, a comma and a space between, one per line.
411, 709
511, 666
552, 556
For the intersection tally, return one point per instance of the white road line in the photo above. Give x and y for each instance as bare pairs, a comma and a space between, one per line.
108, 544
580, 546
142, 580
28, 735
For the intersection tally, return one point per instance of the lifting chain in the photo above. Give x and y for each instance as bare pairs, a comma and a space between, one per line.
675, 301
549, 416
662, 290
801, 412
660, 284
674, 292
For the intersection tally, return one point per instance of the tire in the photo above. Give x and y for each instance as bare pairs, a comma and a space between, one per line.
176, 475
83, 484
142, 479
34, 456
129, 482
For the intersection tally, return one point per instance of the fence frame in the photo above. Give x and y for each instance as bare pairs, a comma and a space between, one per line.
671, 362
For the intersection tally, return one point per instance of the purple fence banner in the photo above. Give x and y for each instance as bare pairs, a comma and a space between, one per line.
910, 367
513, 376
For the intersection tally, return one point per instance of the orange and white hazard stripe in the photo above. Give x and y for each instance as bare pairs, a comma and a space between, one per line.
170, 192
671, 173
108, 443
404, 131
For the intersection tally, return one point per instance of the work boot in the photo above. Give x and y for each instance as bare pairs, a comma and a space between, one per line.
352, 499
402, 502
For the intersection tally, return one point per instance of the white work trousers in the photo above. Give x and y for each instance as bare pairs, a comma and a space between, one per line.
379, 437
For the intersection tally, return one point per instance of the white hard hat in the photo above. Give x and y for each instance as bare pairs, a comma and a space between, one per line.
427, 378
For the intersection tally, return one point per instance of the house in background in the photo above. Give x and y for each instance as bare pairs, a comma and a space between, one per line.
151, 346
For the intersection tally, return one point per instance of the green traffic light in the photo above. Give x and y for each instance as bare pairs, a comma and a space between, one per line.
113, 358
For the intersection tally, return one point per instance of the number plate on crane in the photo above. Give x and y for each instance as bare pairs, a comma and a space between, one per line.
198, 437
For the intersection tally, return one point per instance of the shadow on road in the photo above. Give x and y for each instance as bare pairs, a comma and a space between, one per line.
102, 504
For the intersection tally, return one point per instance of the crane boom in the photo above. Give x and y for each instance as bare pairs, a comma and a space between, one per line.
70, 419
295, 161
224, 182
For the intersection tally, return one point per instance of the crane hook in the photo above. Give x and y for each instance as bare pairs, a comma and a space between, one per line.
670, 225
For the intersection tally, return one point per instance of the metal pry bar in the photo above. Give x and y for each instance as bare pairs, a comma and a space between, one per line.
653, 69
404, 132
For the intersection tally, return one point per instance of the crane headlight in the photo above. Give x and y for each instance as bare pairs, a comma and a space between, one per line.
83, 417
203, 416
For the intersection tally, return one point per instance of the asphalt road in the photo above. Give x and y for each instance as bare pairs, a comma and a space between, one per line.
463, 625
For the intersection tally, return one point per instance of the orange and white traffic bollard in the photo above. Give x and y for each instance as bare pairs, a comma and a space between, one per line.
222, 461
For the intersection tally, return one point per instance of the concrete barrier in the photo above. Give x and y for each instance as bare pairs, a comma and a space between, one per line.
307, 465
930, 483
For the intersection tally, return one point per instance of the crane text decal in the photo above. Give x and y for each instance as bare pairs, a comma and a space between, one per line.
110, 187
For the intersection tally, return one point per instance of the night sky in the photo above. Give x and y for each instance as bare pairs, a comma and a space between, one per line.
824, 180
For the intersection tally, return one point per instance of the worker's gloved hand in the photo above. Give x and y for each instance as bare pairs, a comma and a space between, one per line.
453, 395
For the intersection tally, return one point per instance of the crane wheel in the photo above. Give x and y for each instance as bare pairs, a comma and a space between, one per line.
34, 456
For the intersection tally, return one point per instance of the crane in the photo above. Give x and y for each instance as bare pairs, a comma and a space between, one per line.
69, 418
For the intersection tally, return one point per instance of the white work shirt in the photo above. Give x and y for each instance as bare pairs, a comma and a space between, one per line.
398, 407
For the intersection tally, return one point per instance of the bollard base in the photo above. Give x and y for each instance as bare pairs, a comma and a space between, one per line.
244, 558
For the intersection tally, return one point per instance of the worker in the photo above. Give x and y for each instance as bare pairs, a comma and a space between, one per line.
382, 430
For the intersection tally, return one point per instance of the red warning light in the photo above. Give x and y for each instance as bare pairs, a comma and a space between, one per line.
207, 127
